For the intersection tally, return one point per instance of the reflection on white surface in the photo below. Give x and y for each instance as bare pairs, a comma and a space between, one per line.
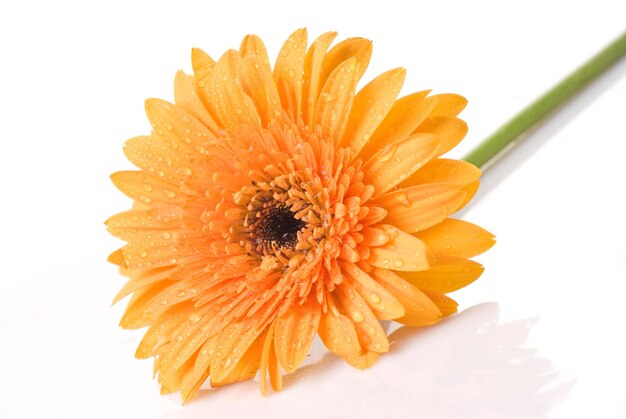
468, 366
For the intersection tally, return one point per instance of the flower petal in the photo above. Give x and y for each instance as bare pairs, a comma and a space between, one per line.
335, 101
448, 129
445, 304
249, 363
420, 310
403, 253
457, 238
397, 161
232, 344
148, 189
449, 104
384, 305
294, 333
289, 70
339, 334
258, 83
446, 275
406, 114
312, 75
186, 96
371, 105
422, 206
358, 48
453, 172
370, 333
365, 360
226, 97
197, 375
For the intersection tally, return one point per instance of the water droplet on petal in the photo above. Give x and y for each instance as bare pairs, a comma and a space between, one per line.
398, 263
374, 298
357, 316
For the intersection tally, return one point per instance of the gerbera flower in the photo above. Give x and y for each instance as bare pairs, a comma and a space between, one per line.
274, 205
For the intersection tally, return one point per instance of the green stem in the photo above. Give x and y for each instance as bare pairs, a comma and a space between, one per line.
496, 143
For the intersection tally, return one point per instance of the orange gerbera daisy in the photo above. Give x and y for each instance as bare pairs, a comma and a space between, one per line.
274, 205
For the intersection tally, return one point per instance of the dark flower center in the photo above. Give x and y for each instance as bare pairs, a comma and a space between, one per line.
275, 227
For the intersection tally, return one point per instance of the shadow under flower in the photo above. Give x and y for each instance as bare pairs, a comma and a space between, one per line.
467, 366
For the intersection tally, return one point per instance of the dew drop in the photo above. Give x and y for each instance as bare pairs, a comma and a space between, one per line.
179, 338
145, 199
143, 254
147, 187
227, 362
181, 293
377, 345
357, 316
166, 235
169, 194
398, 263
194, 318
374, 298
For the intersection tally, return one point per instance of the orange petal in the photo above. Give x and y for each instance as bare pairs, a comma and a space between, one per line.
134, 316
358, 48
154, 339
444, 303
265, 357
232, 344
449, 104
335, 101
406, 114
420, 310
365, 360
202, 64
312, 74
197, 375
253, 45
403, 253
226, 96
289, 70
422, 206
249, 364
447, 275
148, 189
294, 333
448, 129
453, 172
397, 161
457, 238
371, 105
339, 334
142, 279
186, 96
384, 305
370, 333
258, 83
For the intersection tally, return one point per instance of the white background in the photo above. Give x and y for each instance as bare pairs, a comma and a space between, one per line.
541, 334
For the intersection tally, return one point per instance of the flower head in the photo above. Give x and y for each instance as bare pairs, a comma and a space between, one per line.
272, 205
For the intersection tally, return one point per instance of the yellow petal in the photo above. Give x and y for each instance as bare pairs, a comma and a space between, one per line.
312, 74
339, 334
457, 238
406, 114
446, 275
253, 45
202, 64
142, 279
294, 333
370, 333
289, 70
420, 310
420, 207
448, 129
397, 161
384, 305
371, 105
134, 317
402, 253
335, 101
